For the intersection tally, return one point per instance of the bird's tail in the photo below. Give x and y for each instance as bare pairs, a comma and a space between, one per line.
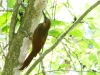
28, 60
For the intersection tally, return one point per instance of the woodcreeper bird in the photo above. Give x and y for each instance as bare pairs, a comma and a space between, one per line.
38, 39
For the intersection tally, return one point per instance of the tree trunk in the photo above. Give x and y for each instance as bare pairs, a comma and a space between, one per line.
28, 24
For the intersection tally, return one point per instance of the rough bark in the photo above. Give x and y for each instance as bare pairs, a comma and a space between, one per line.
30, 21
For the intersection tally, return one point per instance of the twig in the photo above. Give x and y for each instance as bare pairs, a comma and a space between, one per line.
2, 49
69, 54
6, 10
43, 68
41, 64
68, 70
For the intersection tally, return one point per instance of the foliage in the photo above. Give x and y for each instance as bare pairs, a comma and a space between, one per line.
79, 51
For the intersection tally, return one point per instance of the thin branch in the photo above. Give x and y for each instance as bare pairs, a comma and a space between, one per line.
54, 9
42, 65
55, 5
43, 68
68, 71
77, 59
61, 37
2, 49
7, 10
65, 45
73, 53
13, 21
68, 9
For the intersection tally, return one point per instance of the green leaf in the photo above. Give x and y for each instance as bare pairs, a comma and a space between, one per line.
57, 23
91, 73
5, 29
4, 18
90, 18
63, 66
83, 45
96, 33
76, 32
55, 32
95, 44
92, 57
11, 3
